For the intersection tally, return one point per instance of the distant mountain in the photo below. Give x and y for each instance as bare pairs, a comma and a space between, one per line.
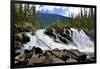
46, 19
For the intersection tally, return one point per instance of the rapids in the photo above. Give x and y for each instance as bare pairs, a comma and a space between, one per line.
80, 42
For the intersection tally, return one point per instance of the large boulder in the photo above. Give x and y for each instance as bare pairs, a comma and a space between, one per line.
22, 37
17, 45
25, 39
91, 34
18, 37
49, 32
60, 34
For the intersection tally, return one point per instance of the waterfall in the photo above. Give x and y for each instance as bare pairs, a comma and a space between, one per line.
80, 41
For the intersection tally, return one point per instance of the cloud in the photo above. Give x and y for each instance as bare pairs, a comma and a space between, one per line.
60, 10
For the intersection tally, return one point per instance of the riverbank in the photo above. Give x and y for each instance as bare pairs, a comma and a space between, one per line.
38, 56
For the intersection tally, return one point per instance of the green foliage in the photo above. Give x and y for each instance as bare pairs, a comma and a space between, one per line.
23, 25
84, 20
25, 16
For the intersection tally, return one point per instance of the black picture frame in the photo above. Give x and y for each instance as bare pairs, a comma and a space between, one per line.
12, 65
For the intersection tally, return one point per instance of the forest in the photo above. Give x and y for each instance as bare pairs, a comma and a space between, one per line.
25, 15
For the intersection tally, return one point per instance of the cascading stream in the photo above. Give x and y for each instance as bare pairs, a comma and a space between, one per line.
80, 42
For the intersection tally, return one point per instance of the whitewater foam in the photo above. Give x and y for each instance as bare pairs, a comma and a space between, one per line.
80, 41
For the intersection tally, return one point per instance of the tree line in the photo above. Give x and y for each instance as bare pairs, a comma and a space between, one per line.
84, 20
25, 15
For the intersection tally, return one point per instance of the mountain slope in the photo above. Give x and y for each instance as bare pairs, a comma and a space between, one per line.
46, 19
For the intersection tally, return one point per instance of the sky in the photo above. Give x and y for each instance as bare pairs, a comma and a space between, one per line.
60, 10
53, 10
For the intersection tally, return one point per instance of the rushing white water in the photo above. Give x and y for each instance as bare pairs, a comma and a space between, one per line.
80, 41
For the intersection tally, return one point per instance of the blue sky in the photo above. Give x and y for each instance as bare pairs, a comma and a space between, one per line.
53, 10
60, 10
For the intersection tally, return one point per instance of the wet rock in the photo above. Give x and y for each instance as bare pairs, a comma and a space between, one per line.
66, 36
59, 31
19, 59
57, 60
38, 50
81, 58
27, 51
18, 37
92, 59
91, 34
47, 60
65, 57
17, 45
49, 32
36, 60
67, 32
22, 38
28, 29
25, 38
63, 40
59, 55
37, 56
16, 54
32, 33
58, 34
71, 60
51, 57
75, 54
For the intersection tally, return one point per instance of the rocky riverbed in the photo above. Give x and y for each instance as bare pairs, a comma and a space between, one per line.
35, 48
37, 56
